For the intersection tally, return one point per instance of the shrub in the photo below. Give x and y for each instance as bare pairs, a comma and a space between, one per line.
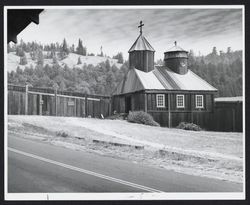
117, 116
141, 117
189, 126
62, 134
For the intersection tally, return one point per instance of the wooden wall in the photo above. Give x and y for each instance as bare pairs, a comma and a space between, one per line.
43, 102
137, 102
142, 60
214, 116
189, 102
228, 116
16, 103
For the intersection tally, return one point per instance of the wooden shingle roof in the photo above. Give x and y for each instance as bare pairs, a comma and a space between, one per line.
161, 78
141, 44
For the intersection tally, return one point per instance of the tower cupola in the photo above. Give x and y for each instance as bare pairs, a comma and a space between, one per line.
176, 59
141, 54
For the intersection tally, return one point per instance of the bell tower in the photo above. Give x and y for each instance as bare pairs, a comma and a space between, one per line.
141, 54
176, 59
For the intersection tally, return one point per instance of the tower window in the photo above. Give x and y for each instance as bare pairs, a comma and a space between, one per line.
180, 101
160, 100
199, 102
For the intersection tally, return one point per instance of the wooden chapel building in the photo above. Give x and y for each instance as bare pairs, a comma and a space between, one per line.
171, 93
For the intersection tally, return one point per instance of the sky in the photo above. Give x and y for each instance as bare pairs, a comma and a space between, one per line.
117, 29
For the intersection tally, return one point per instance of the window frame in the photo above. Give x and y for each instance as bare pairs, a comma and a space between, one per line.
183, 98
196, 100
163, 101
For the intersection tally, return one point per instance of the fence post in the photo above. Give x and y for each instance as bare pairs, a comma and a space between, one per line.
55, 86
26, 98
75, 107
86, 105
40, 105
56, 101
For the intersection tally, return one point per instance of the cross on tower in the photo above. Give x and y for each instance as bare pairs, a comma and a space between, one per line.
140, 26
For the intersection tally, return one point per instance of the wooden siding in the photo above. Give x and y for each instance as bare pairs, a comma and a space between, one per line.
142, 60
228, 116
189, 102
16, 103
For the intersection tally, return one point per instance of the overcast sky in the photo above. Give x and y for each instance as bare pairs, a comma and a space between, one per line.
116, 29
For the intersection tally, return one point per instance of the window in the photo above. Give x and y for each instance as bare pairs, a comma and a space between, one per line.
199, 101
160, 100
180, 101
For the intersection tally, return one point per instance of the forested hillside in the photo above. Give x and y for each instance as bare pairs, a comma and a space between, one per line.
223, 70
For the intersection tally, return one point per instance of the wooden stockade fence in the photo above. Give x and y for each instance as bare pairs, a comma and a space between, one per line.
27, 100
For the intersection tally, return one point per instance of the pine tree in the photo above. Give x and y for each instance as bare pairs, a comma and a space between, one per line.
40, 59
80, 49
72, 48
19, 51
23, 60
65, 47
79, 61
119, 57
55, 61
214, 52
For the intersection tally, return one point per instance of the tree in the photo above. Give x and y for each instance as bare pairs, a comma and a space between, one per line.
101, 54
72, 48
19, 51
80, 49
79, 61
119, 57
55, 61
40, 59
23, 60
214, 52
65, 48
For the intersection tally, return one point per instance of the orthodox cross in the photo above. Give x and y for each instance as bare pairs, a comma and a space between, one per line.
140, 26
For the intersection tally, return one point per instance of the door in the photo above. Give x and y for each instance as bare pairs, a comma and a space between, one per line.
127, 104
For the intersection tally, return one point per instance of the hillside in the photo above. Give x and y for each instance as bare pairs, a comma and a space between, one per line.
71, 61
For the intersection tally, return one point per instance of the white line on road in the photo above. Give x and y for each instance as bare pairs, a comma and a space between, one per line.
86, 171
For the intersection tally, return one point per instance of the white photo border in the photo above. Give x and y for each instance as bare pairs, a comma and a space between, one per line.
121, 196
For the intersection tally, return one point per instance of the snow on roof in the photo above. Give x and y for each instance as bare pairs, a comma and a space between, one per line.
141, 44
229, 99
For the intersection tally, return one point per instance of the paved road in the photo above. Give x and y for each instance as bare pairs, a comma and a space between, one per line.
34, 166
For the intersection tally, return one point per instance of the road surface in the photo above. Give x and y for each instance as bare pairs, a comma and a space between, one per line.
35, 166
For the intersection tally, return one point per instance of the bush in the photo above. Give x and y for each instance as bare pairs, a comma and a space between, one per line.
62, 134
117, 116
141, 117
189, 126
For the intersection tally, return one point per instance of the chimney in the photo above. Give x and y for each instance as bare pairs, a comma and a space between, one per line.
176, 59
